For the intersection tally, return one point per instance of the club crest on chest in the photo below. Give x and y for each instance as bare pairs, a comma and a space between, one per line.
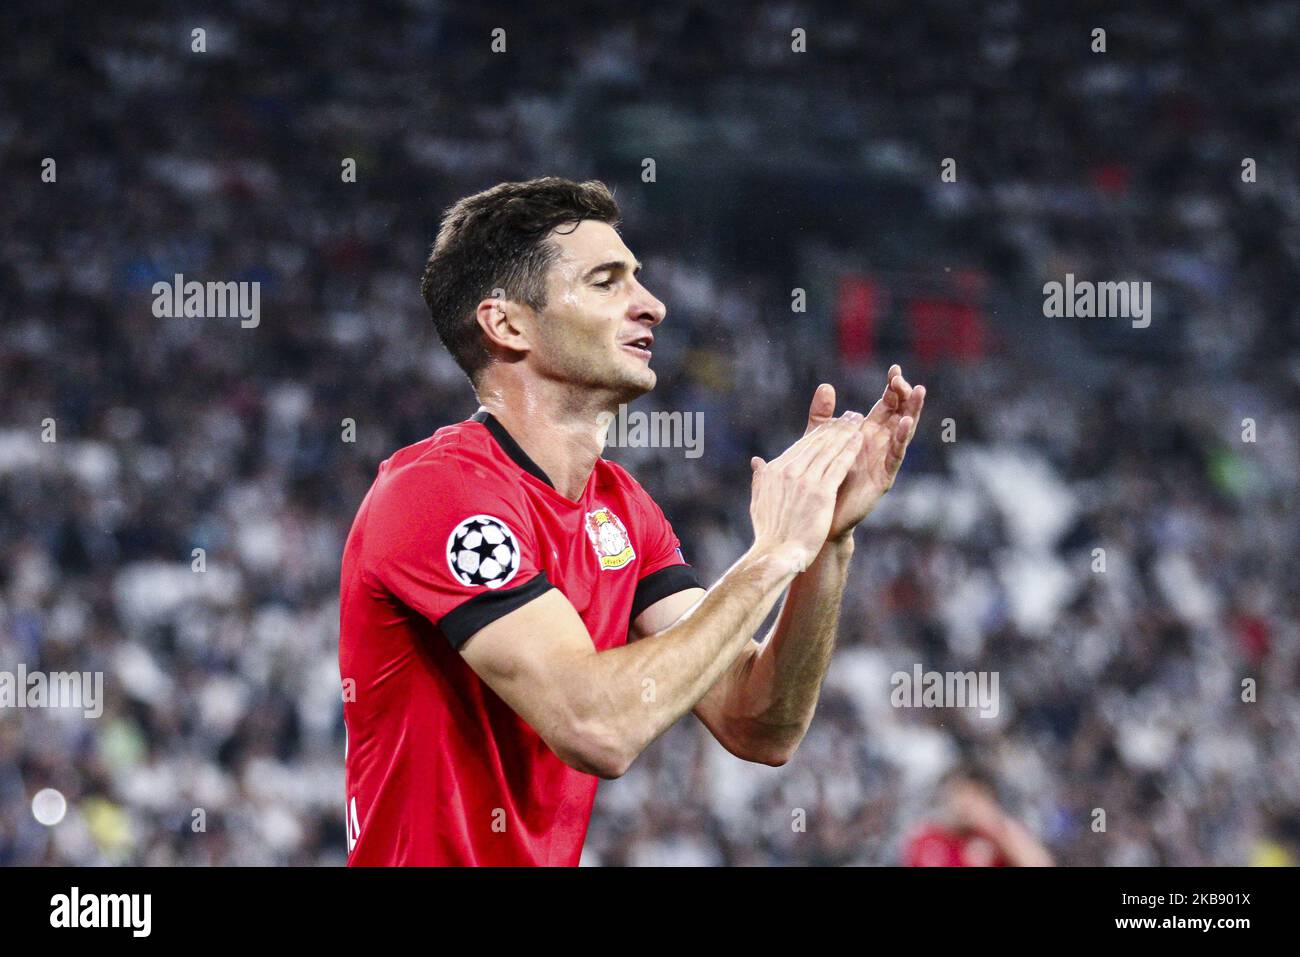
609, 538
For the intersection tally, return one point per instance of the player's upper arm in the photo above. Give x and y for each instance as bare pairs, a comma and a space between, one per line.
665, 612
538, 659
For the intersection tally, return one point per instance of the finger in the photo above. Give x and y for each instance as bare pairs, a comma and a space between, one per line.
798, 455
916, 402
838, 468
889, 400
905, 429
884, 407
900, 387
847, 436
822, 408
898, 445
802, 447
845, 432
893, 402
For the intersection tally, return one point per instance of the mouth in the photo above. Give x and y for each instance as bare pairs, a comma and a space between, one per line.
641, 346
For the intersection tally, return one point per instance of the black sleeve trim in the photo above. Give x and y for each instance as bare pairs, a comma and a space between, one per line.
465, 621
661, 584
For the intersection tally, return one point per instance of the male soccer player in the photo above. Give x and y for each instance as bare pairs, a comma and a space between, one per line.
517, 617
971, 830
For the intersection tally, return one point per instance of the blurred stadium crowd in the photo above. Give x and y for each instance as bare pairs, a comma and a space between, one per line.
1044, 439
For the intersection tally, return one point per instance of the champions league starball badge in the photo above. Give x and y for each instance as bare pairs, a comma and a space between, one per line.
482, 550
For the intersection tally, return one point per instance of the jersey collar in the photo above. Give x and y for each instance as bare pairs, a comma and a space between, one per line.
510, 446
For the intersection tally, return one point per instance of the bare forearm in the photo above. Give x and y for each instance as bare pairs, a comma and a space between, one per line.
637, 691
774, 694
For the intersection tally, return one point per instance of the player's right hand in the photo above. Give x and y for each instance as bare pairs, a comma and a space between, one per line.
793, 496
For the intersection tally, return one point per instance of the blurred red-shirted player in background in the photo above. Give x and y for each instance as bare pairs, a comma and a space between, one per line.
971, 830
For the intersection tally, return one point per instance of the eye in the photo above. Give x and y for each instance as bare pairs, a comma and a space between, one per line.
605, 284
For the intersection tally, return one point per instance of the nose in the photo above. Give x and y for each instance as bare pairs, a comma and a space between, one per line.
646, 308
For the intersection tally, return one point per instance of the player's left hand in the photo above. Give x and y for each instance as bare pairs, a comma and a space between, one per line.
887, 429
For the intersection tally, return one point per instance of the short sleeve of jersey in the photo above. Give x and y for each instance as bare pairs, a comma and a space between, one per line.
664, 569
462, 553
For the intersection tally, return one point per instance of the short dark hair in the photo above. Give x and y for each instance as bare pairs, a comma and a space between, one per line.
498, 239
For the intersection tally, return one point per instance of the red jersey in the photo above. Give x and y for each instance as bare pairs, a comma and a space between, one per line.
457, 531
936, 845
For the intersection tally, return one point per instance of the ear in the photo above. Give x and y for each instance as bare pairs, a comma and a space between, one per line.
505, 323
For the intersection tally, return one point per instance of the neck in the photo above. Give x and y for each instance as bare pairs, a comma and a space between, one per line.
561, 429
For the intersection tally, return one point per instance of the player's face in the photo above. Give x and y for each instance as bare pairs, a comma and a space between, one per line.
596, 328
